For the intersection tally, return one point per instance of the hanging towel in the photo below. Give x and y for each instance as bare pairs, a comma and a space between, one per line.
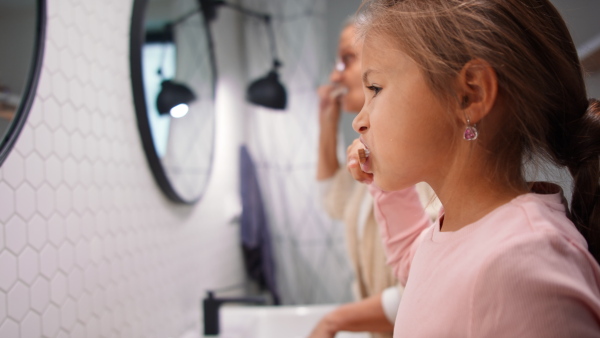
256, 241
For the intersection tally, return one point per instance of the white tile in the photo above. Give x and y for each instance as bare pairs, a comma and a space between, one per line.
68, 314
53, 171
58, 288
82, 254
62, 334
18, 301
63, 200
84, 307
98, 124
87, 224
34, 170
66, 258
52, 108
71, 172
2, 306
83, 121
69, 118
44, 88
45, 200
25, 201
58, 33
90, 278
9, 329
83, 73
29, 267
98, 301
89, 51
51, 59
86, 173
106, 324
61, 144
43, 141
93, 328
66, 68
96, 250
60, 87
77, 146
48, 261
50, 321
91, 148
73, 226
76, 93
36, 114
56, 230
13, 170
75, 283
78, 330
26, 143
7, 196
31, 326
40, 294
16, 234
37, 233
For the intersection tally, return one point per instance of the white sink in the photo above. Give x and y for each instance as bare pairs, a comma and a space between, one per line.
274, 321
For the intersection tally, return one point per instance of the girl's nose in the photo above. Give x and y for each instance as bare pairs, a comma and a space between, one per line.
361, 122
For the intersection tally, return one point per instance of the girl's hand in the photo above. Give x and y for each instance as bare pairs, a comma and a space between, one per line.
322, 331
353, 163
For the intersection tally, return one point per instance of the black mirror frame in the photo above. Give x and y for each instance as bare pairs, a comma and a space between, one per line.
31, 85
136, 41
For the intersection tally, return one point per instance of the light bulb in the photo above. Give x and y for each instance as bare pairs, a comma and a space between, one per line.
179, 110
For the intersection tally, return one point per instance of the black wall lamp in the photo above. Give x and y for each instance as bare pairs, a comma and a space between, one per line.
266, 91
174, 98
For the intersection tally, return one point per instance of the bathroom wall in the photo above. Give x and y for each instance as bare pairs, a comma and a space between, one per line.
89, 247
310, 250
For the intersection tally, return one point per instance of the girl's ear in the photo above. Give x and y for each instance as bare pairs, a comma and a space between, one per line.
477, 89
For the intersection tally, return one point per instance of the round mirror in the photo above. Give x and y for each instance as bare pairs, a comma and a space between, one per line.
173, 79
22, 27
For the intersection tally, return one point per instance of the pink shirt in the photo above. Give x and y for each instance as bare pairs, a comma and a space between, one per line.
523, 270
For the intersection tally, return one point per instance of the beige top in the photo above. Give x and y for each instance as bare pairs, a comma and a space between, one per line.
343, 201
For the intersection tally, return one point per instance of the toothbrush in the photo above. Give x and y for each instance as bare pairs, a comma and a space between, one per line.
337, 92
363, 154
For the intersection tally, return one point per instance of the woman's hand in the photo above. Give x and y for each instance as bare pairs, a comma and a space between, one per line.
353, 163
329, 106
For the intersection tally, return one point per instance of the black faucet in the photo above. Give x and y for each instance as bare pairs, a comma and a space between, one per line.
211, 305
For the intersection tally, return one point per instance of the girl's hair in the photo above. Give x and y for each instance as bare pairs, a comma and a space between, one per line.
546, 109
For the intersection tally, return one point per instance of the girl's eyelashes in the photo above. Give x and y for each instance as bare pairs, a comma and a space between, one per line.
374, 89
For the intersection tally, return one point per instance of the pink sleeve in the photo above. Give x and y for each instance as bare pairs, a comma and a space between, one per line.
402, 221
545, 287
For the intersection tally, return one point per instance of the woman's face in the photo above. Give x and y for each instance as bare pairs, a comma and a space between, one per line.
347, 72
405, 127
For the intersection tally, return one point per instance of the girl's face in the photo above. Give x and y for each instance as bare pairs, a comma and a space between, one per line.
405, 127
347, 71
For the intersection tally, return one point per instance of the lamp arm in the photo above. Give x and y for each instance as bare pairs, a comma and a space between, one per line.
266, 17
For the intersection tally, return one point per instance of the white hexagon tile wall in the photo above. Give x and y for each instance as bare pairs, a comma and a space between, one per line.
89, 247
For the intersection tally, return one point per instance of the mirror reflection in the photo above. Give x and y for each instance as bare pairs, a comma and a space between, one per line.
176, 84
20, 34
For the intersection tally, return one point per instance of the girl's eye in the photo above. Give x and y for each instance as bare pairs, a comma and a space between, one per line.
374, 89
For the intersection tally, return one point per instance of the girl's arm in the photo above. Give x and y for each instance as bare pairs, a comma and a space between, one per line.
364, 315
402, 221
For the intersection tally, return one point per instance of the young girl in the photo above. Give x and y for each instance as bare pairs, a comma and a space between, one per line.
461, 94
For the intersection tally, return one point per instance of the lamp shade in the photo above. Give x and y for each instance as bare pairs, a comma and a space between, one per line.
268, 92
171, 95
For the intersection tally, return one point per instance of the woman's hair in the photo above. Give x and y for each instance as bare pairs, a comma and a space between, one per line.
546, 112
